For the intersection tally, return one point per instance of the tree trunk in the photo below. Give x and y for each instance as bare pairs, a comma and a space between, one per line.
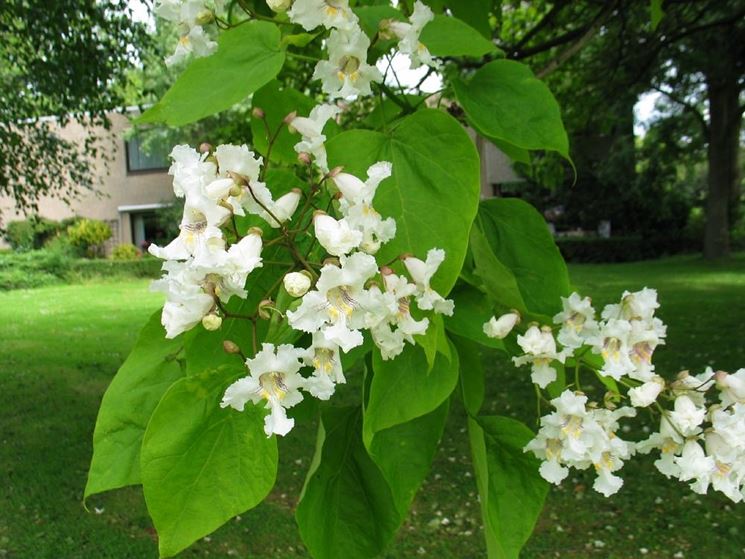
724, 140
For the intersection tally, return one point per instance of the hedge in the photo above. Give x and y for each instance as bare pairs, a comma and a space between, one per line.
623, 249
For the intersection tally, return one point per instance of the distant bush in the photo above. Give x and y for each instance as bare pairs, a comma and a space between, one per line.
45, 267
624, 249
89, 235
31, 233
125, 251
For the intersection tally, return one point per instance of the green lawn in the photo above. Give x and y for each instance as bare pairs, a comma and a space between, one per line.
59, 347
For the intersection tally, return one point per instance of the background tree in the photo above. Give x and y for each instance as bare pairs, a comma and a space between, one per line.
67, 60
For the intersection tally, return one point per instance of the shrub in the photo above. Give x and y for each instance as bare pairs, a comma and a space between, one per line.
31, 233
89, 235
624, 249
125, 251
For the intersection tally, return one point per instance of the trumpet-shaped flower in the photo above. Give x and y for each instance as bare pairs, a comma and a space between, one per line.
336, 236
311, 130
540, 350
421, 272
323, 356
577, 321
500, 327
346, 73
408, 35
274, 378
330, 14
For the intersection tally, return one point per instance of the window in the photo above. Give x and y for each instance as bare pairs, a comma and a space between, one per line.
141, 158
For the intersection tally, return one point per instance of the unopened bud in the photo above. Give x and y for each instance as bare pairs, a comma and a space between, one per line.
235, 190
279, 5
211, 322
256, 112
263, 310
500, 327
386, 271
204, 147
204, 17
334, 172
255, 231
230, 347
297, 284
304, 158
290, 117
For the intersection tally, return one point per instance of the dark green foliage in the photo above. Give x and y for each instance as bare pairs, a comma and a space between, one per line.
625, 248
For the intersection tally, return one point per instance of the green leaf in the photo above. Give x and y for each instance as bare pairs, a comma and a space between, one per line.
513, 152
203, 464
130, 399
471, 374
277, 102
505, 101
472, 310
248, 56
434, 191
656, 13
404, 454
346, 508
511, 491
404, 388
449, 36
519, 238
474, 12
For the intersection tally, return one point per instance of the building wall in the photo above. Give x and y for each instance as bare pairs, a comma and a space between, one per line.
119, 188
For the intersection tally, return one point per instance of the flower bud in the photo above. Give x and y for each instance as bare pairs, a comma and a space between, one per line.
279, 5
264, 311
205, 147
334, 172
289, 118
235, 190
255, 231
230, 347
211, 322
297, 284
204, 17
499, 327
256, 112
304, 158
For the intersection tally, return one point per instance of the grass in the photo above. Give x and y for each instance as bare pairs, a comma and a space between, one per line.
60, 346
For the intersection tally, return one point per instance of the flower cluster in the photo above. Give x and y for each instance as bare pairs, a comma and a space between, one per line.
210, 261
189, 16
580, 436
700, 444
202, 272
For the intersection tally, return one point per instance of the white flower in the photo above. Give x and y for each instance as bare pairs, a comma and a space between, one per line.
238, 160
613, 344
356, 206
336, 236
324, 357
283, 208
408, 35
577, 321
693, 386
732, 387
639, 305
540, 350
646, 394
695, 465
421, 273
186, 301
296, 284
274, 378
500, 327
670, 443
329, 13
196, 42
197, 239
311, 130
687, 417
347, 74
397, 326
334, 305
579, 437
